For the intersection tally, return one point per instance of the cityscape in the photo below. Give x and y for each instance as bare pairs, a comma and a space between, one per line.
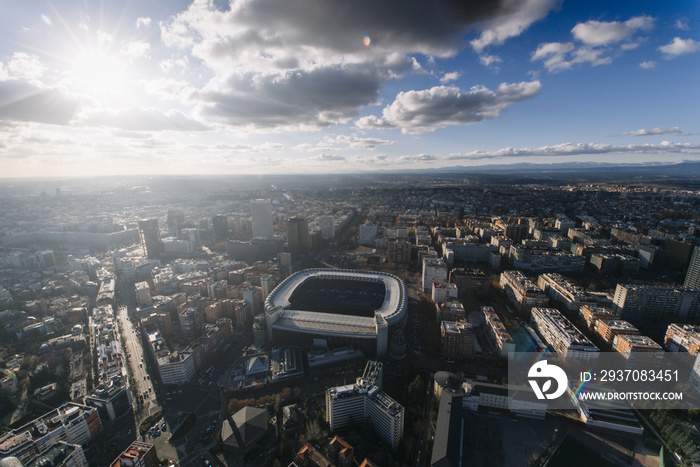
292, 233
314, 321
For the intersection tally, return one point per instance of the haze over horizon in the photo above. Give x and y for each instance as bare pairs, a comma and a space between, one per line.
212, 87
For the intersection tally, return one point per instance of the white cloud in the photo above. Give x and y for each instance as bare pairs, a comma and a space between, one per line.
647, 65
655, 131
136, 49
682, 24
169, 89
25, 66
425, 111
515, 17
598, 33
142, 119
489, 60
143, 21
599, 42
104, 38
168, 65
372, 121
581, 149
679, 47
329, 158
452, 76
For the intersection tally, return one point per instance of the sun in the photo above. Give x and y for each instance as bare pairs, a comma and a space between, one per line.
98, 73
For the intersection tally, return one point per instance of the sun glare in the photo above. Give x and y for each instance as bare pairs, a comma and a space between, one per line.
99, 73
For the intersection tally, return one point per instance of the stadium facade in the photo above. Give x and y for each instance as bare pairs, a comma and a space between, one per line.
336, 307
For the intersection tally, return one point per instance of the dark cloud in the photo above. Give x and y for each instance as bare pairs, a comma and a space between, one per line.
29, 103
308, 64
303, 98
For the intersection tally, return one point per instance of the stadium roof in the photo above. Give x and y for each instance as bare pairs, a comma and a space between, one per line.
393, 309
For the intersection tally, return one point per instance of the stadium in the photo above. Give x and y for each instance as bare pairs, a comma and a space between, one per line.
336, 307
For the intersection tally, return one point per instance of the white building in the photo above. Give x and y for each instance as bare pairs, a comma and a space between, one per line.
563, 291
563, 336
351, 404
434, 271
497, 332
444, 291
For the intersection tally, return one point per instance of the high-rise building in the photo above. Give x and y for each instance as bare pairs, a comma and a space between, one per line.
457, 339
220, 226
692, 277
327, 225
352, 404
149, 233
261, 215
297, 236
647, 303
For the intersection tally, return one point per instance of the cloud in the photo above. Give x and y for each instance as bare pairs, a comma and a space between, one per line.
598, 42
373, 122
597, 33
136, 49
580, 149
489, 60
143, 21
302, 64
679, 47
655, 131
425, 111
30, 103
169, 89
682, 24
355, 142
514, 17
183, 63
447, 77
647, 65
104, 38
300, 99
142, 119
25, 66
328, 158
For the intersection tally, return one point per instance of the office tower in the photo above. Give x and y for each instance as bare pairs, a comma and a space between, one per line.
220, 225
149, 233
261, 215
327, 225
297, 236
692, 278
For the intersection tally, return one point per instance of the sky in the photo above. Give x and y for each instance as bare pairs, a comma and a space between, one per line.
90, 87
